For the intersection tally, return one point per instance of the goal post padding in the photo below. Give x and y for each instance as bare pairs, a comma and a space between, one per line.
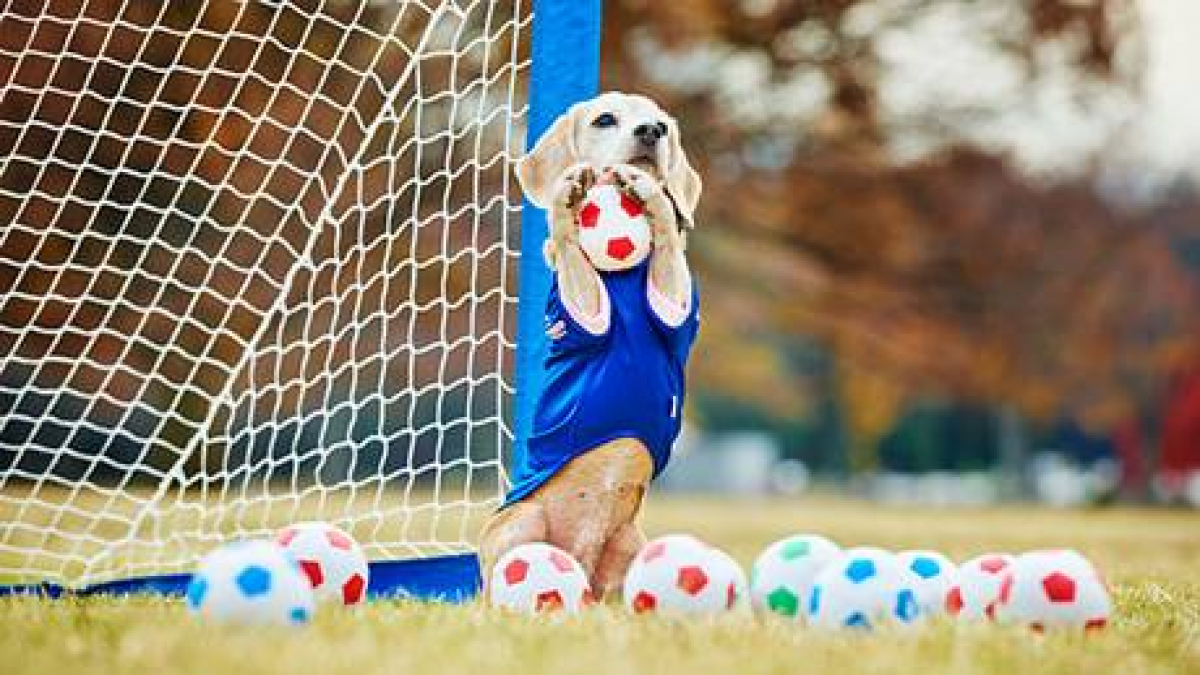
565, 70
259, 263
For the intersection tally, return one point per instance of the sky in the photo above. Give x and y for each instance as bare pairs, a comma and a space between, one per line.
1060, 123
1170, 122
936, 69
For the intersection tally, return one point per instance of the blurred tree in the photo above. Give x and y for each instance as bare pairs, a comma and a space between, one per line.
918, 185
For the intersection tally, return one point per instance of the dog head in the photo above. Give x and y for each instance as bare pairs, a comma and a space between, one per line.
613, 128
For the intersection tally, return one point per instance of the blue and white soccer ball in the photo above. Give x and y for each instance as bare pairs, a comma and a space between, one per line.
933, 575
250, 582
862, 588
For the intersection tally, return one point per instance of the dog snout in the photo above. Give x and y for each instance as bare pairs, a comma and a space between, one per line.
647, 134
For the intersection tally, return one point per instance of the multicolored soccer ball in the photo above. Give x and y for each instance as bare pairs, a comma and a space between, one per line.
933, 575
1054, 589
678, 575
533, 578
251, 582
862, 588
783, 573
975, 593
613, 231
331, 559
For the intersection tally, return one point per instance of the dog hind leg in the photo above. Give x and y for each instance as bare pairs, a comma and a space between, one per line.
614, 562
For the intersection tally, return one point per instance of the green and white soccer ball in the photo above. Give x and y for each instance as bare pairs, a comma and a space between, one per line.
783, 573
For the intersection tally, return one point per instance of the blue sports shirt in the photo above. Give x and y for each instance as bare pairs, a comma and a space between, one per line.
627, 382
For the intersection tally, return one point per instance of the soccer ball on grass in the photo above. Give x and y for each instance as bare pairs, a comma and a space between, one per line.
974, 594
862, 588
933, 575
678, 575
1054, 589
783, 573
537, 577
250, 583
331, 559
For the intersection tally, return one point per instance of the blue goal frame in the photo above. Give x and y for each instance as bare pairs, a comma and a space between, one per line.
565, 70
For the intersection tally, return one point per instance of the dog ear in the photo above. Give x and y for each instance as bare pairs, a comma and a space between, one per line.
554, 152
682, 181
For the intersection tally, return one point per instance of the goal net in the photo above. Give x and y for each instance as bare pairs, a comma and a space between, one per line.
257, 265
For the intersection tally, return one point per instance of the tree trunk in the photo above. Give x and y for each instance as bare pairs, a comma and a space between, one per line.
1013, 445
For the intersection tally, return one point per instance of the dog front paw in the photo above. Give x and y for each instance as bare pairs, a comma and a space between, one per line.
569, 192
573, 186
644, 188
634, 182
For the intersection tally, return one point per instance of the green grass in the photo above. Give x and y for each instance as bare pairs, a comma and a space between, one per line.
1150, 557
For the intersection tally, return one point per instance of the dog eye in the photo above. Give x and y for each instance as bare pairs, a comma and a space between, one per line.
662, 129
605, 120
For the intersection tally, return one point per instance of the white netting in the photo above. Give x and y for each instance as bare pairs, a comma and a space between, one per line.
257, 264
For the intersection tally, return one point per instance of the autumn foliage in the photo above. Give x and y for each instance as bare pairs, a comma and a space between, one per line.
958, 273
890, 225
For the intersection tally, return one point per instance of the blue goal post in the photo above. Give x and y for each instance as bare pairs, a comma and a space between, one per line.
565, 70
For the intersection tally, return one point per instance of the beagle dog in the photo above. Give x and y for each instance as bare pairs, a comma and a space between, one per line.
618, 341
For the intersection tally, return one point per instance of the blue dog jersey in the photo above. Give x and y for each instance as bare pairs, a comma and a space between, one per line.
625, 383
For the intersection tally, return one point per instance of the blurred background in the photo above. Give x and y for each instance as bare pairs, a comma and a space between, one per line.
949, 249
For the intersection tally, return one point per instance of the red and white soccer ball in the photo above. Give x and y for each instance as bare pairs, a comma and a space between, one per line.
533, 578
613, 231
679, 575
977, 590
733, 577
1054, 589
331, 559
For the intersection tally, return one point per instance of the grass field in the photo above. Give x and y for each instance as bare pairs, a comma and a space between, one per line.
1152, 559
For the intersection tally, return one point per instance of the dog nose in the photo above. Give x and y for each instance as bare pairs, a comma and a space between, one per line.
647, 134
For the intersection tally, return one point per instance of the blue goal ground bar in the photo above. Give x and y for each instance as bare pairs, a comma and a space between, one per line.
450, 578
